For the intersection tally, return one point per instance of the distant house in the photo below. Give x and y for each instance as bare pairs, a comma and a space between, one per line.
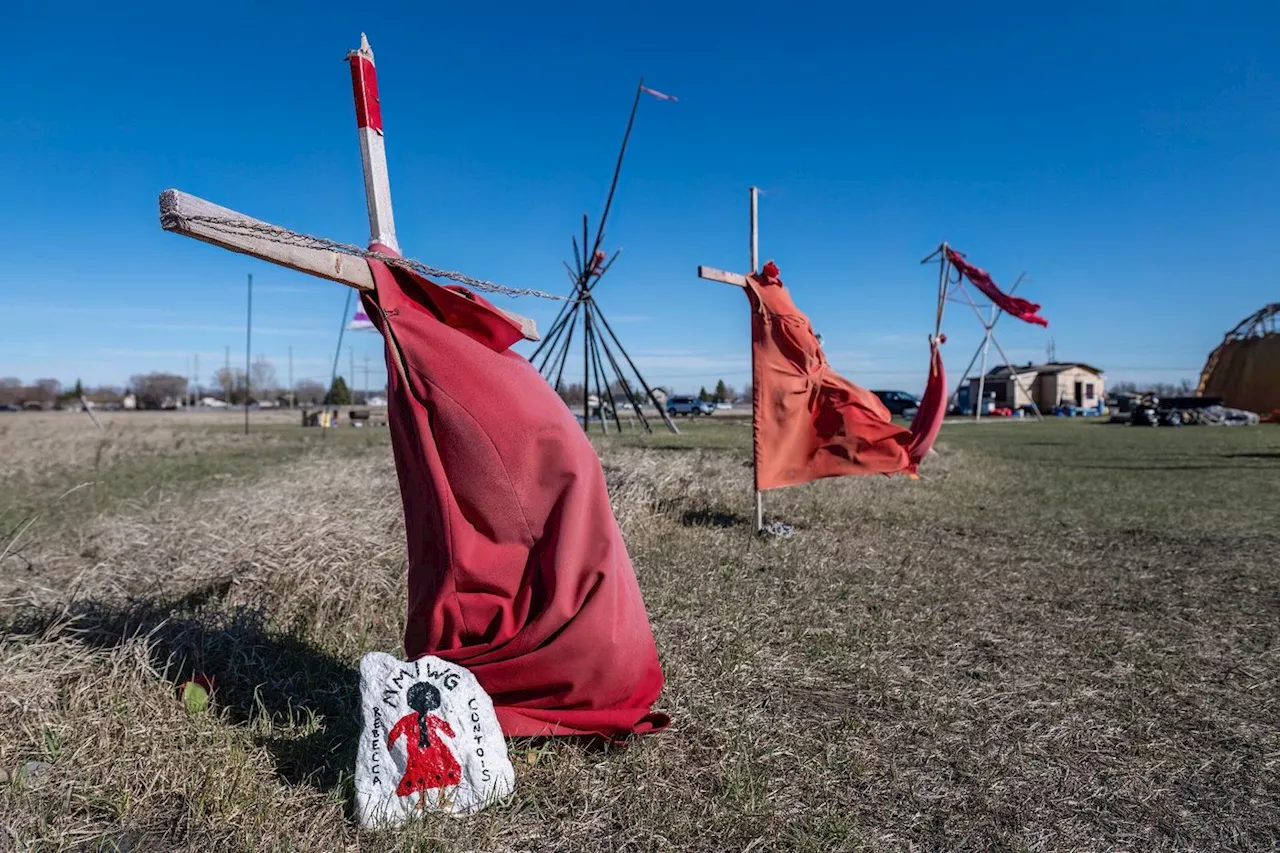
1047, 385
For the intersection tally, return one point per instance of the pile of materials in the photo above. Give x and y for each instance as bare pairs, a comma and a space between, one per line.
1150, 411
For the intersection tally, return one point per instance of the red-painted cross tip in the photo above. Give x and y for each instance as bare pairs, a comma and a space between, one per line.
364, 85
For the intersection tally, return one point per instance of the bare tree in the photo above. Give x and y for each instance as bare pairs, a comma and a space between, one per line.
1185, 388
44, 393
10, 390
262, 374
309, 392
158, 390
572, 394
231, 381
103, 394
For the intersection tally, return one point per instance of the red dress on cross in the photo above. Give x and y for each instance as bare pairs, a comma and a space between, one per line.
811, 422
517, 568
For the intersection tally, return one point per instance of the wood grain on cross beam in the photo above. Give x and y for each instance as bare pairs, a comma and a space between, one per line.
713, 274
191, 216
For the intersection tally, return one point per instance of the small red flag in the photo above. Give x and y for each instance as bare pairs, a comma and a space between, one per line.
658, 94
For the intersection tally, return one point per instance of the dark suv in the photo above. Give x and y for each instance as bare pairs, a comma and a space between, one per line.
898, 402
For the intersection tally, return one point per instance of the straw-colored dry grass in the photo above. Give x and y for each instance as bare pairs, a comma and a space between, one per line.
43, 445
1064, 639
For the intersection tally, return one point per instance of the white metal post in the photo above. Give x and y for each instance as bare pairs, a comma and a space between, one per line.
982, 375
373, 152
755, 420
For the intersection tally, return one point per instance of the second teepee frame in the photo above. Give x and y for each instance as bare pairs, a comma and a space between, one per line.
948, 291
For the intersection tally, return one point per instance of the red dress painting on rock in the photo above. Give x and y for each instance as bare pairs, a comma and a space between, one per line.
431, 764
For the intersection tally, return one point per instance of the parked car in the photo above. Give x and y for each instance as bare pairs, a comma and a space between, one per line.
690, 406
898, 402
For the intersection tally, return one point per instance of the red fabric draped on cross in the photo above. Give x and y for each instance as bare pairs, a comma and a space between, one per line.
1023, 309
517, 568
811, 422
927, 423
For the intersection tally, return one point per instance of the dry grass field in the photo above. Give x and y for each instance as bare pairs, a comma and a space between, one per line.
1064, 638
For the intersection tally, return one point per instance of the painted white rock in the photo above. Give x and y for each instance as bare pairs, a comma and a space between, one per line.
431, 742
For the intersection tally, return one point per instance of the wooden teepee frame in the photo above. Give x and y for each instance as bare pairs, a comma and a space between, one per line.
599, 342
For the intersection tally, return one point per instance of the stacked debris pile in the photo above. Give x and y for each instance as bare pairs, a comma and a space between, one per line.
1184, 411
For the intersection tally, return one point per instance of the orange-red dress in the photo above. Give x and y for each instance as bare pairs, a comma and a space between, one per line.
811, 421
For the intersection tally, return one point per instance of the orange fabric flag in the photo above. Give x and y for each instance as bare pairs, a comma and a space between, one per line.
933, 408
811, 422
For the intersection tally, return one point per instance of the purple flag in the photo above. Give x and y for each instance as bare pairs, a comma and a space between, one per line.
360, 323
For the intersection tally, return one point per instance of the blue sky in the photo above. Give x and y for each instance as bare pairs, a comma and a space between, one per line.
1124, 155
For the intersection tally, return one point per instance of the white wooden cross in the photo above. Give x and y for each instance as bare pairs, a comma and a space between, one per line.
194, 217
739, 280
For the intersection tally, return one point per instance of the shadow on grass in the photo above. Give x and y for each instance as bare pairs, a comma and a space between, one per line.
276, 681
706, 517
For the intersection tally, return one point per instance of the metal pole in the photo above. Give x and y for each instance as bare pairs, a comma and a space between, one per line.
586, 370
755, 420
982, 376
755, 234
248, 340
964, 377
337, 354
942, 290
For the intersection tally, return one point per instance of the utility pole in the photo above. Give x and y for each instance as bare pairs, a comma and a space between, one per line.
366, 378
291, 391
248, 339
351, 371
231, 385
195, 400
